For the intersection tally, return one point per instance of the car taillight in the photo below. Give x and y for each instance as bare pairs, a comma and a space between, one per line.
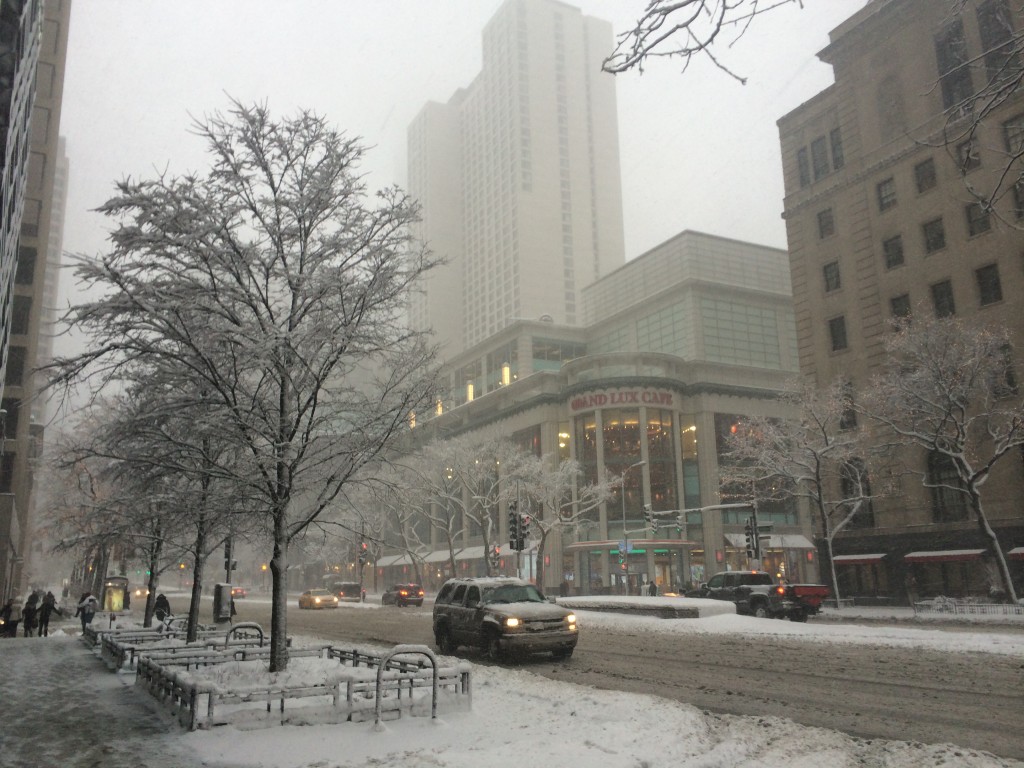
403, 593
420, 593
780, 590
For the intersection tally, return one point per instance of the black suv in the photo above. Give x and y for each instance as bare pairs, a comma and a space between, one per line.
501, 616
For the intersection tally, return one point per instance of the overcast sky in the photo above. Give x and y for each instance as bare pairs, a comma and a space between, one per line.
699, 151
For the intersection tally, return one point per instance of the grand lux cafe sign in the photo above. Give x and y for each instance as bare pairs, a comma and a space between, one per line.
617, 398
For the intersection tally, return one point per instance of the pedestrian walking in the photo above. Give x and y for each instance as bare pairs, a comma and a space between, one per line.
47, 608
87, 607
652, 588
11, 614
162, 607
30, 615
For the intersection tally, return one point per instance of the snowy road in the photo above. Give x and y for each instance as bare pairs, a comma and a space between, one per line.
898, 688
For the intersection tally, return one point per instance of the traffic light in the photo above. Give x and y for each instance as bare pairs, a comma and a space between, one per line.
515, 528
750, 535
649, 516
227, 554
364, 554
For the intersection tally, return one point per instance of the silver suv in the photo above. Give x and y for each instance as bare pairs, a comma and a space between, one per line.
501, 616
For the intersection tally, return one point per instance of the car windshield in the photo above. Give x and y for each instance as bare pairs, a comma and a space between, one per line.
513, 593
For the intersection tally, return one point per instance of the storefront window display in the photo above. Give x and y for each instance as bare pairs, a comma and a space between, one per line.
661, 459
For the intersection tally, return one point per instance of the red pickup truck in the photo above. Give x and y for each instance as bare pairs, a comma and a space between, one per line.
757, 594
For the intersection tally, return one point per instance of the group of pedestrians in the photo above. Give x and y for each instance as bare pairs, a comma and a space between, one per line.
34, 616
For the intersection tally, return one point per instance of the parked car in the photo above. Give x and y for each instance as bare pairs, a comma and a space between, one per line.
318, 598
501, 616
239, 592
402, 595
349, 592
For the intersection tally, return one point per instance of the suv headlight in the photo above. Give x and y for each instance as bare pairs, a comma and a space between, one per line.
511, 622
571, 620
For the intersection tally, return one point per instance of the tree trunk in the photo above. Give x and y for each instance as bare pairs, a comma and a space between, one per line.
197, 580
995, 551
279, 604
153, 582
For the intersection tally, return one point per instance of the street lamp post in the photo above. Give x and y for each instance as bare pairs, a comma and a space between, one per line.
625, 536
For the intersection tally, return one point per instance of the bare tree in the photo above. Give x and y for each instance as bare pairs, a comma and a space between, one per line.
687, 29
950, 390
819, 455
563, 502
274, 286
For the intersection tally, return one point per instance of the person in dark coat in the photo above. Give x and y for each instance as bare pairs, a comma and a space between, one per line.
45, 611
30, 615
87, 607
11, 615
652, 588
162, 607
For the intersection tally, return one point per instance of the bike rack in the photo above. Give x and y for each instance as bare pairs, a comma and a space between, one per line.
422, 650
243, 625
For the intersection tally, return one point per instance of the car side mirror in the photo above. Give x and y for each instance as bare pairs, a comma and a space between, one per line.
703, 585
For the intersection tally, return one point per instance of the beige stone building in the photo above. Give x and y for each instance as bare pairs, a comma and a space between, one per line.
518, 177
882, 217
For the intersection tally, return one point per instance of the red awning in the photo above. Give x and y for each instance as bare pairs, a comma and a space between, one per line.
857, 559
944, 556
1017, 553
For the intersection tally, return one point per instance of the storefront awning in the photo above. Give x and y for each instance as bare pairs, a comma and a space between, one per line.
857, 559
775, 541
1017, 553
944, 556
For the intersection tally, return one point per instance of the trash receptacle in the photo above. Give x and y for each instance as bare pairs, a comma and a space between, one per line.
221, 603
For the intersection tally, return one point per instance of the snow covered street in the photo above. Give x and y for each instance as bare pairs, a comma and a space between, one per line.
64, 709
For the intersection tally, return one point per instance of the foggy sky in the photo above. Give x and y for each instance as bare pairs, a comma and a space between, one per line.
698, 150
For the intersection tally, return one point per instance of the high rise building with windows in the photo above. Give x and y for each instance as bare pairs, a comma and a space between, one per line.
518, 175
887, 176
33, 45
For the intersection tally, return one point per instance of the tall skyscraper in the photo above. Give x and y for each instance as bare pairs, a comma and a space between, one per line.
518, 175
33, 46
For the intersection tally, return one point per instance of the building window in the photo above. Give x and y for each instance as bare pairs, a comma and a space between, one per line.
831, 272
826, 223
886, 194
990, 290
848, 418
804, 166
942, 299
7, 472
967, 156
995, 27
9, 422
15, 366
1004, 380
837, 333
899, 306
924, 175
1013, 132
1018, 200
819, 158
835, 137
893, 252
934, 235
977, 219
21, 313
949, 500
954, 71
26, 270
